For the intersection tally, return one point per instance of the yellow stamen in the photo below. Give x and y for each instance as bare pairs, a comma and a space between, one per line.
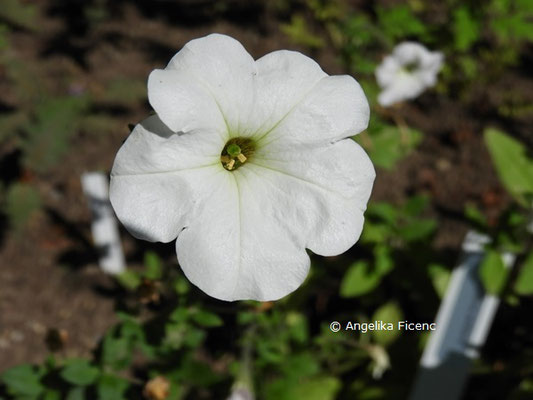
236, 153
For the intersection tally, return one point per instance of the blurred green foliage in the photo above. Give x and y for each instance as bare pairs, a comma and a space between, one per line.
299, 32
45, 138
22, 201
524, 281
388, 144
24, 381
493, 272
514, 166
19, 14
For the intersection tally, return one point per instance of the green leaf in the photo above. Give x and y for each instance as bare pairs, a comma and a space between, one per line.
129, 279
324, 11
194, 337
492, 272
390, 144
175, 335
524, 391
194, 372
47, 137
417, 230
512, 163
19, 14
375, 233
399, 21
79, 372
362, 65
181, 285
297, 324
466, 29
313, 388
207, 319
153, 265
511, 20
110, 387
301, 365
270, 352
415, 205
246, 317
359, 280
524, 281
22, 380
116, 352
388, 313
317, 388
131, 329
53, 395
468, 66
298, 31
4, 44
384, 211
22, 200
383, 259
77, 393
364, 391
475, 216
180, 314
440, 277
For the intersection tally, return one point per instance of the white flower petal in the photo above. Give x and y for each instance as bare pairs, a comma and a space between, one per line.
409, 52
389, 96
155, 175
221, 65
321, 194
430, 68
405, 87
334, 109
284, 78
151, 208
152, 147
156, 207
233, 251
182, 103
431, 60
386, 72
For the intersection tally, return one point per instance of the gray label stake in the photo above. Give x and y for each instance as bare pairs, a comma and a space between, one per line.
463, 323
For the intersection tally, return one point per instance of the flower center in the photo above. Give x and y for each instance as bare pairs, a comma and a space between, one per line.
236, 152
410, 67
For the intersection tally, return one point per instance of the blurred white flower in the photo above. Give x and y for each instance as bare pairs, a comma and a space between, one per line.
380, 360
407, 72
247, 163
241, 394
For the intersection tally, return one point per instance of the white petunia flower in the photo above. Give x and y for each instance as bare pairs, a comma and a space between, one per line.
407, 72
247, 163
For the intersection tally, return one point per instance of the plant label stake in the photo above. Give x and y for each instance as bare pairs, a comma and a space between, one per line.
463, 323
104, 225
